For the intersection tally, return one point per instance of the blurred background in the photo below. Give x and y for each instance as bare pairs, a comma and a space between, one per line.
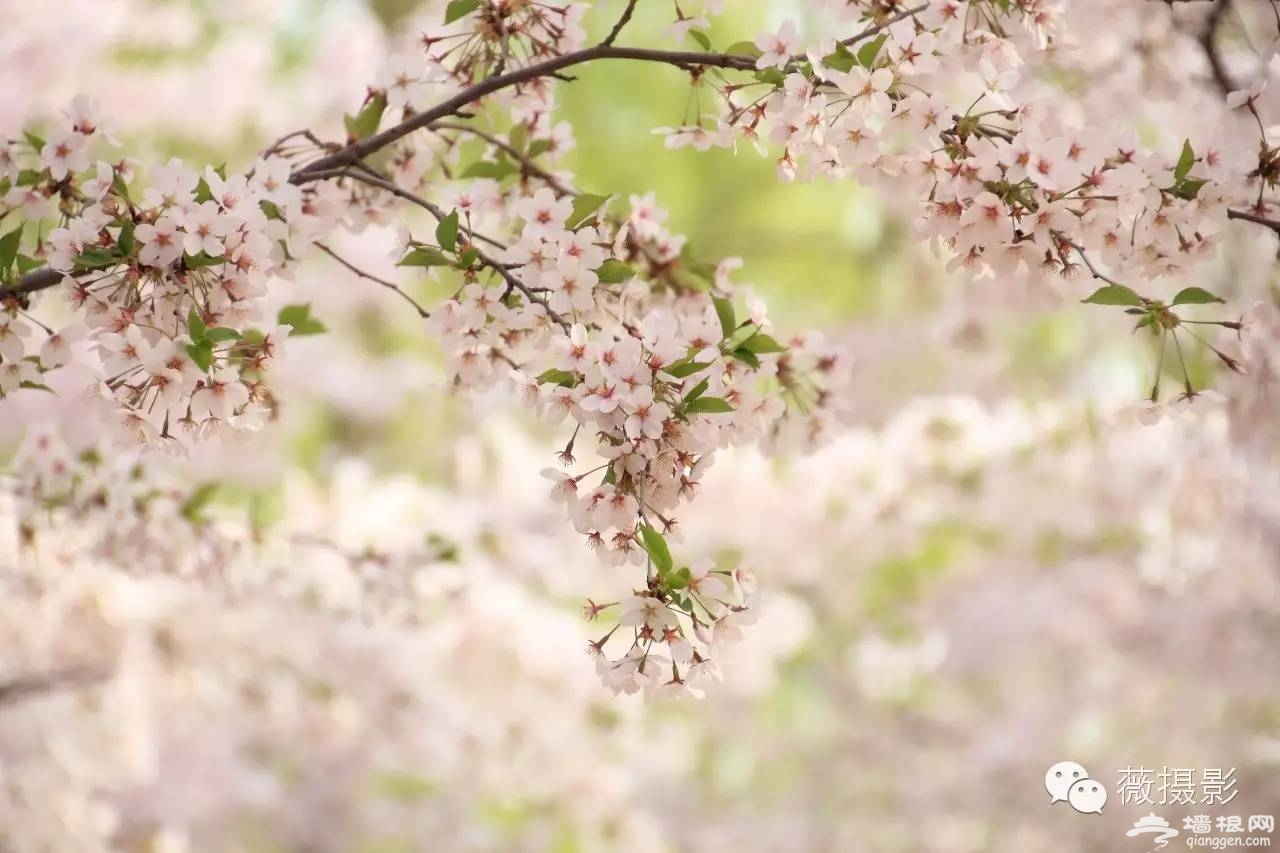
990, 569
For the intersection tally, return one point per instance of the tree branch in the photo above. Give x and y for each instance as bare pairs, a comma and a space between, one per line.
390, 285
622, 23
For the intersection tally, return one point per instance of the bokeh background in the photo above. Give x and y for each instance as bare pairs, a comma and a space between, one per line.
992, 567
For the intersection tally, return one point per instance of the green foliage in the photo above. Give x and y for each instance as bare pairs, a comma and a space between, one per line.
1195, 296
365, 123
459, 9
1115, 294
298, 317
447, 232
584, 209
656, 547
614, 272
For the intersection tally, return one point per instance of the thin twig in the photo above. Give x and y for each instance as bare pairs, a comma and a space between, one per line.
622, 23
501, 269
390, 285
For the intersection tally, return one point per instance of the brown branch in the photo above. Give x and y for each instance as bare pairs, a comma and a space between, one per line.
35, 684
512, 281
1209, 41
622, 23
528, 165
363, 148
1255, 219
390, 285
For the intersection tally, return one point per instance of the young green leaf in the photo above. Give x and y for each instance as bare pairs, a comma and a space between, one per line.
1185, 161
761, 344
1195, 296
657, 549
447, 232
365, 123
201, 353
125, 242
725, 313
221, 334
562, 378
488, 169
701, 38
202, 260
708, 405
299, 318
685, 368
614, 271
584, 207
459, 8
425, 256
195, 325
1115, 294
698, 391
94, 259
744, 48
868, 52
9, 248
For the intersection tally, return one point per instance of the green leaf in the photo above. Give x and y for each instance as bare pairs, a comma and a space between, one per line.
584, 207
193, 506
221, 334
468, 257
447, 232
202, 260
697, 392
125, 241
1195, 296
614, 271
195, 325
657, 549
365, 123
562, 378
868, 52
9, 248
708, 405
744, 48
746, 356
1185, 161
772, 76
685, 368
741, 335
460, 8
488, 169
201, 353
840, 60
761, 344
1115, 294
701, 38
119, 186
724, 310
270, 209
678, 579
518, 138
426, 256
1188, 188
92, 259
299, 318
539, 147
34, 141
203, 193
27, 264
